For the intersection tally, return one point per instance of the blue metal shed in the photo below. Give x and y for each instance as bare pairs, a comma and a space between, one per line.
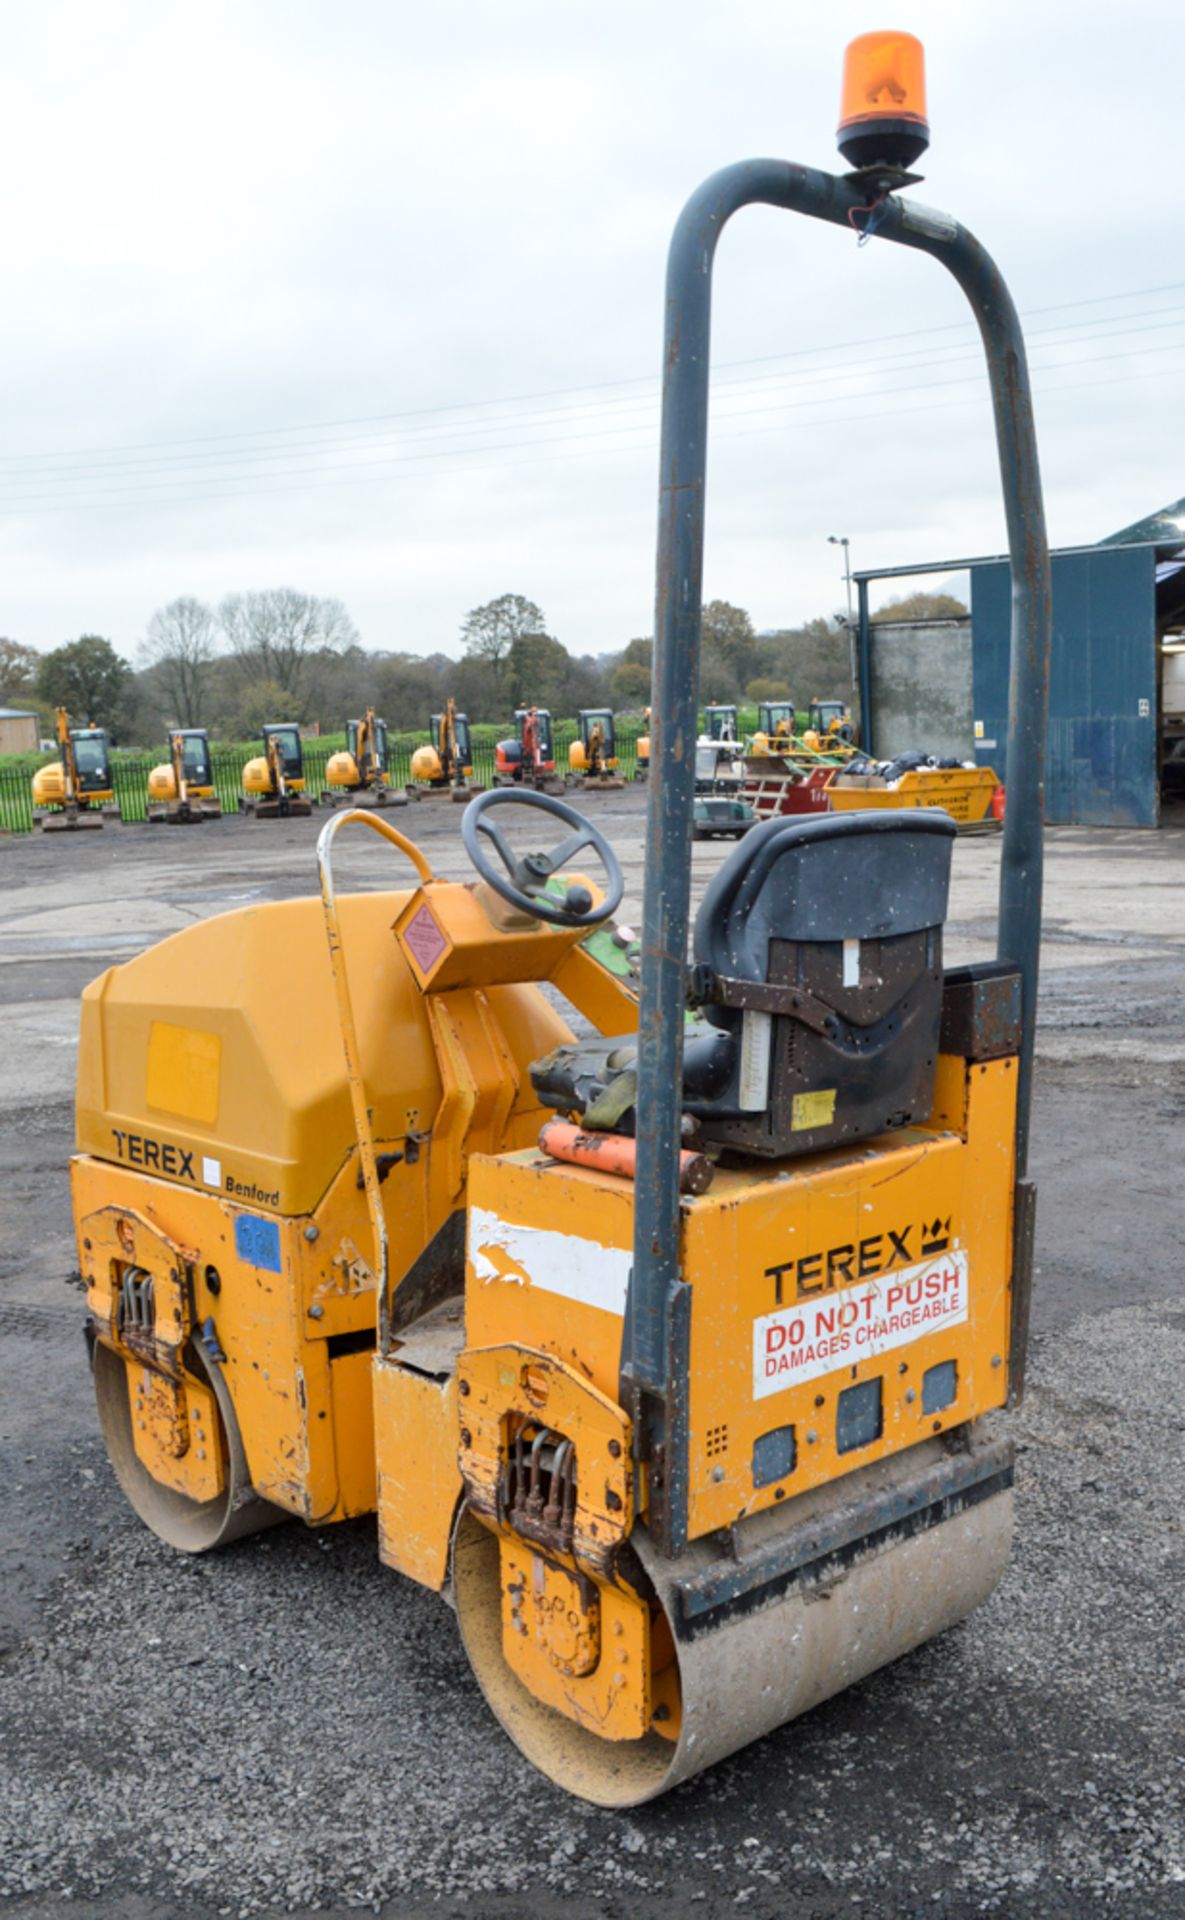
1101, 766
1111, 605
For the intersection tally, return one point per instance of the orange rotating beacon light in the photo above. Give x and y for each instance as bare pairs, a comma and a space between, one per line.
882, 113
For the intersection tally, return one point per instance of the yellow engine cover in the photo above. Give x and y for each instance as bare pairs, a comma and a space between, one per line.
215, 1058
256, 778
342, 771
426, 764
161, 784
49, 785
577, 757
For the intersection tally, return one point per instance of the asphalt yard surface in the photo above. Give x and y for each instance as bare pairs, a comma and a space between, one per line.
286, 1726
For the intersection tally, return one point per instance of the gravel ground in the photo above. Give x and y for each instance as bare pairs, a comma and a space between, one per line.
288, 1727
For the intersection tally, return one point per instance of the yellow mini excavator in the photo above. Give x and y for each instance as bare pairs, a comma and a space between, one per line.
444, 766
642, 750
274, 783
775, 729
592, 756
360, 776
181, 790
830, 727
676, 1355
76, 789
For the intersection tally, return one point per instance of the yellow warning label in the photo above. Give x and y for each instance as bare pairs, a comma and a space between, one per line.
812, 1109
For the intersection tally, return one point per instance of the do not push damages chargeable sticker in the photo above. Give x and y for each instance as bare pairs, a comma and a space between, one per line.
814, 1337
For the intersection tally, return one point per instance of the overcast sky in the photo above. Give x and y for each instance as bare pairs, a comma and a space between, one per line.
366, 299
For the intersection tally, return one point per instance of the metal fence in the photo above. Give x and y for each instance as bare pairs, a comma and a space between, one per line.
129, 772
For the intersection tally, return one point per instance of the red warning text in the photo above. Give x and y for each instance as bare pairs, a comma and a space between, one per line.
819, 1336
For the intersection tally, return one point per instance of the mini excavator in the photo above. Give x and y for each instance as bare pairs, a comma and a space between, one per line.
592, 756
359, 776
677, 1354
642, 750
529, 759
444, 767
829, 727
181, 790
775, 728
720, 723
274, 783
75, 790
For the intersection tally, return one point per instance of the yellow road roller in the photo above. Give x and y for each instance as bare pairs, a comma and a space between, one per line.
676, 1354
274, 782
359, 776
181, 790
76, 789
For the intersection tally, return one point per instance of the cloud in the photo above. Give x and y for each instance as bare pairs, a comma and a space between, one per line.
369, 299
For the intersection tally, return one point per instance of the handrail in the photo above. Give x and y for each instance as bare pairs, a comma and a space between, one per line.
349, 1033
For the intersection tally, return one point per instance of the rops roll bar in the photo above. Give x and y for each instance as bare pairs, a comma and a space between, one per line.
655, 1366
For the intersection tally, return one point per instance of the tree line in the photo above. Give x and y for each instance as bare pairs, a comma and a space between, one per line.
279, 654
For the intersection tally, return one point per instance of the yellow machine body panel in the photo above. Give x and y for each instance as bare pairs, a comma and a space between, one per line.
342, 771
426, 764
579, 1647
465, 937
886, 1269
49, 785
275, 1304
547, 1262
257, 778
49, 789
419, 1481
162, 785
850, 1310
214, 1058
213, 1107
173, 1427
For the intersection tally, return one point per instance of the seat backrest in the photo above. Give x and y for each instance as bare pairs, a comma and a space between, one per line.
819, 945
840, 876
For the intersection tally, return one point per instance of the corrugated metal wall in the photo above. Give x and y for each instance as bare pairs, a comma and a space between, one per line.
1101, 767
920, 682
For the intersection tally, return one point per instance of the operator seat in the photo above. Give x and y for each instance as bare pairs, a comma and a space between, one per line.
817, 972
818, 948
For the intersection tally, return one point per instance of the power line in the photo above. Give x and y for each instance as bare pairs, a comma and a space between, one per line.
403, 449
605, 386
346, 478
1043, 338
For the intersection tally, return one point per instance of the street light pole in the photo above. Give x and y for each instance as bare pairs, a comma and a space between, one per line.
841, 540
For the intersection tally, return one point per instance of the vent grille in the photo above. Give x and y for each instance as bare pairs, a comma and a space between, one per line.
717, 1442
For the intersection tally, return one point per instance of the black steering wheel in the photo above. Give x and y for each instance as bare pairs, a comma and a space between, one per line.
524, 880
